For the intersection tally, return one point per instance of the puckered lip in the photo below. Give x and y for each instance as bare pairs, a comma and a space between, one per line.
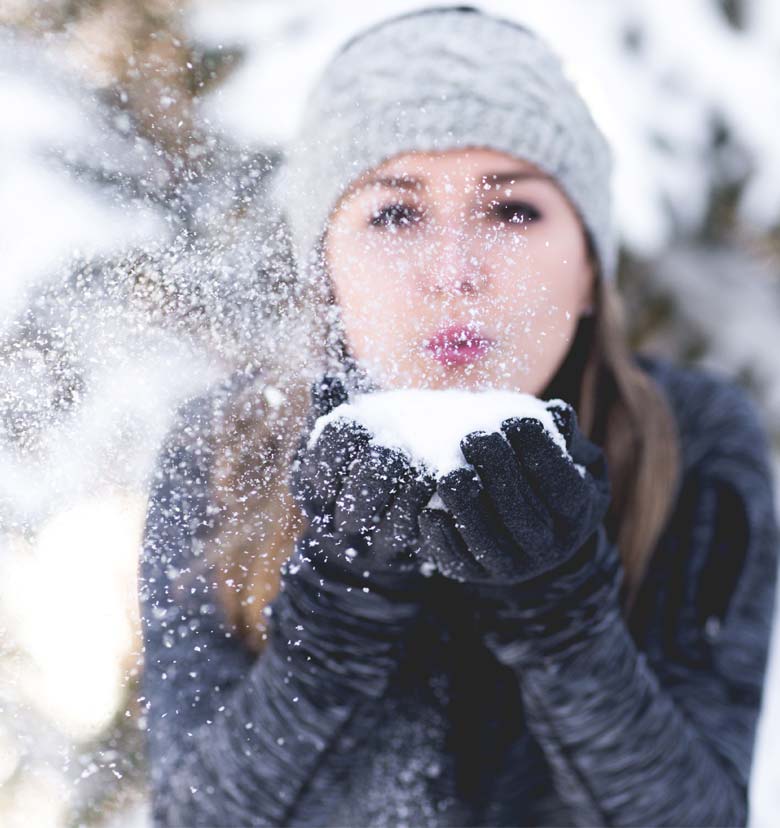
458, 344
457, 336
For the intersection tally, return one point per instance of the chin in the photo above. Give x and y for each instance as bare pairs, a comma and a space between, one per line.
469, 377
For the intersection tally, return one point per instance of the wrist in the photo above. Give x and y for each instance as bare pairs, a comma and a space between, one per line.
342, 565
560, 611
334, 640
324, 586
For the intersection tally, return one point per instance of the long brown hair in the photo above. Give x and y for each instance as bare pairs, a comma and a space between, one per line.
618, 406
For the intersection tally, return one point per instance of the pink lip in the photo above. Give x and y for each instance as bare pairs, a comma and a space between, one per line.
458, 345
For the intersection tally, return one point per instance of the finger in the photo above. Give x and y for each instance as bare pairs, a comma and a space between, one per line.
327, 393
441, 540
398, 528
369, 484
340, 441
552, 475
338, 444
565, 419
322, 469
591, 464
478, 523
525, 517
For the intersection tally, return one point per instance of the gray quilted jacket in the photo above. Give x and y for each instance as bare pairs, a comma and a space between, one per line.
419, 723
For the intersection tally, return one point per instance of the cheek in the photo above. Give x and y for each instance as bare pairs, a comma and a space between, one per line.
552, 276
374, 305
539, 304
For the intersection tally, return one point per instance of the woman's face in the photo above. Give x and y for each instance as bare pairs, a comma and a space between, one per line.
466, 268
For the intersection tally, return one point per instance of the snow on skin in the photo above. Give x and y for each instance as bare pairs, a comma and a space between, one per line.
428, 425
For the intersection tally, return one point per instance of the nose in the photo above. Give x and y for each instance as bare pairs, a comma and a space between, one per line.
453, 265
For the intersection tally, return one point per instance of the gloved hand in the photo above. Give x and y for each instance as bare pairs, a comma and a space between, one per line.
524, 509
525, 534
362, 500
351, 591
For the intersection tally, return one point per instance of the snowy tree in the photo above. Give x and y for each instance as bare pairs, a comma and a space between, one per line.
139, 252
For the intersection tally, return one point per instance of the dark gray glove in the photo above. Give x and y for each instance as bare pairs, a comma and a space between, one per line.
351, 591
362, 501
525, 533
525, 511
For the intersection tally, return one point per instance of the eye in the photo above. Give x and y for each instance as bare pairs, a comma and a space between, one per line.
516, 212
395, 215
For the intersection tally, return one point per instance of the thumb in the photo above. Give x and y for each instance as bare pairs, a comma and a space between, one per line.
327, 393
565, 419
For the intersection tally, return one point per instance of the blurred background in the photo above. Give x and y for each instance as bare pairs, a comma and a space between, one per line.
137, 248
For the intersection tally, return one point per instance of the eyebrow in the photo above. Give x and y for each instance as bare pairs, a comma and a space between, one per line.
408, 182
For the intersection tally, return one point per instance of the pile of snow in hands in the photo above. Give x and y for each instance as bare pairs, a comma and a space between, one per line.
428, 425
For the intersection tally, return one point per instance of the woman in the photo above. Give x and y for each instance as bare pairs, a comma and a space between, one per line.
323, 645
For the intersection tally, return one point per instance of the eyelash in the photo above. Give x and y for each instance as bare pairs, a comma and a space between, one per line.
530, 213
378, 219
382, 217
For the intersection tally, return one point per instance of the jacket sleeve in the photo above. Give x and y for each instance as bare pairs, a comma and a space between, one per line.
235, 739
653, 721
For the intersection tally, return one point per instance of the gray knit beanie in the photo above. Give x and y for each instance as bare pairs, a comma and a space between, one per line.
435, 79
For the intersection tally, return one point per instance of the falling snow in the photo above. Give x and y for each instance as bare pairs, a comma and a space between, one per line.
144, 261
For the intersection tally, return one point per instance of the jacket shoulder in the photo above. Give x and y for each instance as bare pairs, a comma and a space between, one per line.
719, 547
717, 418
202, 408
179, 488
184, 455
196, 416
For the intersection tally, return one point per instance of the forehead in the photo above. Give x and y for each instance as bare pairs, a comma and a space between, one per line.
419, 170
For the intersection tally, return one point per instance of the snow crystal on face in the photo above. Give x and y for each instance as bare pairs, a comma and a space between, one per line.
428, 425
